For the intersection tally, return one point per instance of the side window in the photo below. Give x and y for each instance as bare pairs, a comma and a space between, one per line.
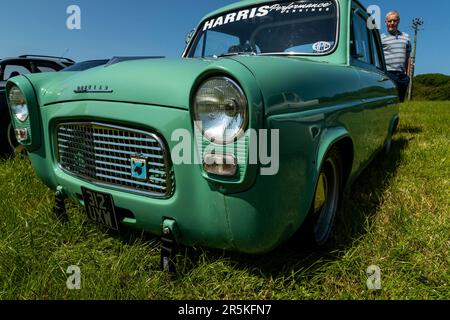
360, 39
199, 51
45, 66
376, 51
12, 70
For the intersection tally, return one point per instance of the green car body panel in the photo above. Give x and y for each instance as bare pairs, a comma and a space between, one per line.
316, 102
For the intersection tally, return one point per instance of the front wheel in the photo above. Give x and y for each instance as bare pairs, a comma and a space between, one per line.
14, 145
327, 197
8, 141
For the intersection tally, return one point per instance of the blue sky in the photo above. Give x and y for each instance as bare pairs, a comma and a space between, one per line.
147, 27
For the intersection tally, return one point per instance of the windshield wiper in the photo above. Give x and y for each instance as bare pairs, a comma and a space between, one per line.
232, 54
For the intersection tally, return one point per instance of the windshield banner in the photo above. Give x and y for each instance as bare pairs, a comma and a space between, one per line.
262, 11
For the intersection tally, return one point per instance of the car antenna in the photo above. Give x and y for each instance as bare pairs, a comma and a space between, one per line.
64, 53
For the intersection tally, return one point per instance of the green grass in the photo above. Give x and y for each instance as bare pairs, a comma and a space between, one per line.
395, 216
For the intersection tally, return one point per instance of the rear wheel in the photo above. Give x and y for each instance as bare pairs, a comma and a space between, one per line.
387, 146
327, 197
388, 143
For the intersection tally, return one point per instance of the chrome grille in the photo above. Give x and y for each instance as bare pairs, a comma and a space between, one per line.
102, 154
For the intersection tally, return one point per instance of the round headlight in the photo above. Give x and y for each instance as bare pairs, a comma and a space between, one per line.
220, 110
18, 104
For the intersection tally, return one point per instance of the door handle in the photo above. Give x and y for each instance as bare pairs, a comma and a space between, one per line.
384, 78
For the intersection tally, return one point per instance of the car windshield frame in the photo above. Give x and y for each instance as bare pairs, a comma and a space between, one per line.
193, 44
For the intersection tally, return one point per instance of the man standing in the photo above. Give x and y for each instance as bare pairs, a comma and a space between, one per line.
397, 50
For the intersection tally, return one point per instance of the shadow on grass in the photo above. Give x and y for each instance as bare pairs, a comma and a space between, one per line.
4, 157
361, 202
7, 156
409, 129
364, 198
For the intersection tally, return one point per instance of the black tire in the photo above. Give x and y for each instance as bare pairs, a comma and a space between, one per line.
5, 121
388, 143
387, 146
325, 206
8, 141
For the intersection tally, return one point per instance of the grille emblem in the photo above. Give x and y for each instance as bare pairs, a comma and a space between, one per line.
139, 168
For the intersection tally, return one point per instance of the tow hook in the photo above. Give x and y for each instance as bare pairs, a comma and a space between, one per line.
169, 246
60, 209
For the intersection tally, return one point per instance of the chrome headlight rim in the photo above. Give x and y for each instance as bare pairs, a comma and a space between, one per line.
241, 131
20, 110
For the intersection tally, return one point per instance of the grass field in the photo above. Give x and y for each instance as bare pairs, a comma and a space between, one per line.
396, 216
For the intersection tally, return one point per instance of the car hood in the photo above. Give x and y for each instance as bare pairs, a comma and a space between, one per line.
296, 83
164, 82
285, 83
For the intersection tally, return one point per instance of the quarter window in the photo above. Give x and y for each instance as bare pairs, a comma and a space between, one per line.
376, 51
216, 42
360, 39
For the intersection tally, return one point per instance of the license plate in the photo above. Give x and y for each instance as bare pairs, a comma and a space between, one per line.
100, 208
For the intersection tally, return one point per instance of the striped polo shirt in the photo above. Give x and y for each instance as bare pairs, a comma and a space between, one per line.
397, 49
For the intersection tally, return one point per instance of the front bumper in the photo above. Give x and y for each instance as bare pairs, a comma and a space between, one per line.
255, 220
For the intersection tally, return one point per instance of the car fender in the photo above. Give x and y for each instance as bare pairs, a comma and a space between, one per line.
393, 124
330, 137
33, 123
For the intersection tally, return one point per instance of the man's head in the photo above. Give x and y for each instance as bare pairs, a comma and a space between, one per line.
392, 21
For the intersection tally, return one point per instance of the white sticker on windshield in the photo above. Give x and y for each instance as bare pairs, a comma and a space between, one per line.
321, 46
297, 7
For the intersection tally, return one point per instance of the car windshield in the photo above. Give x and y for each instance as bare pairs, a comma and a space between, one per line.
295, 27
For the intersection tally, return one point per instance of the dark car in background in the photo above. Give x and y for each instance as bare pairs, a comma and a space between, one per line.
25, 64
11, 67
89, 64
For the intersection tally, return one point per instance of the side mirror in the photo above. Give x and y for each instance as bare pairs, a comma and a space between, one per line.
190, 35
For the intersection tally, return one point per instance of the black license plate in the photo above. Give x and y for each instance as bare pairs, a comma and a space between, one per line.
100, 208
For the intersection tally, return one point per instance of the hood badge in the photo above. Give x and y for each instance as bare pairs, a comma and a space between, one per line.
93, 89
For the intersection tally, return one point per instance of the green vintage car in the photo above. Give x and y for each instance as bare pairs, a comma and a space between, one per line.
272, 110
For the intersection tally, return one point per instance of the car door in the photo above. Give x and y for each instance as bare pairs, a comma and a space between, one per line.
377, 90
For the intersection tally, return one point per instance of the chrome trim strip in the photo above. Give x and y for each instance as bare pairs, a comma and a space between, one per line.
111, 136
126, 167
107, 156
129, 153
110, 143
131, 181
